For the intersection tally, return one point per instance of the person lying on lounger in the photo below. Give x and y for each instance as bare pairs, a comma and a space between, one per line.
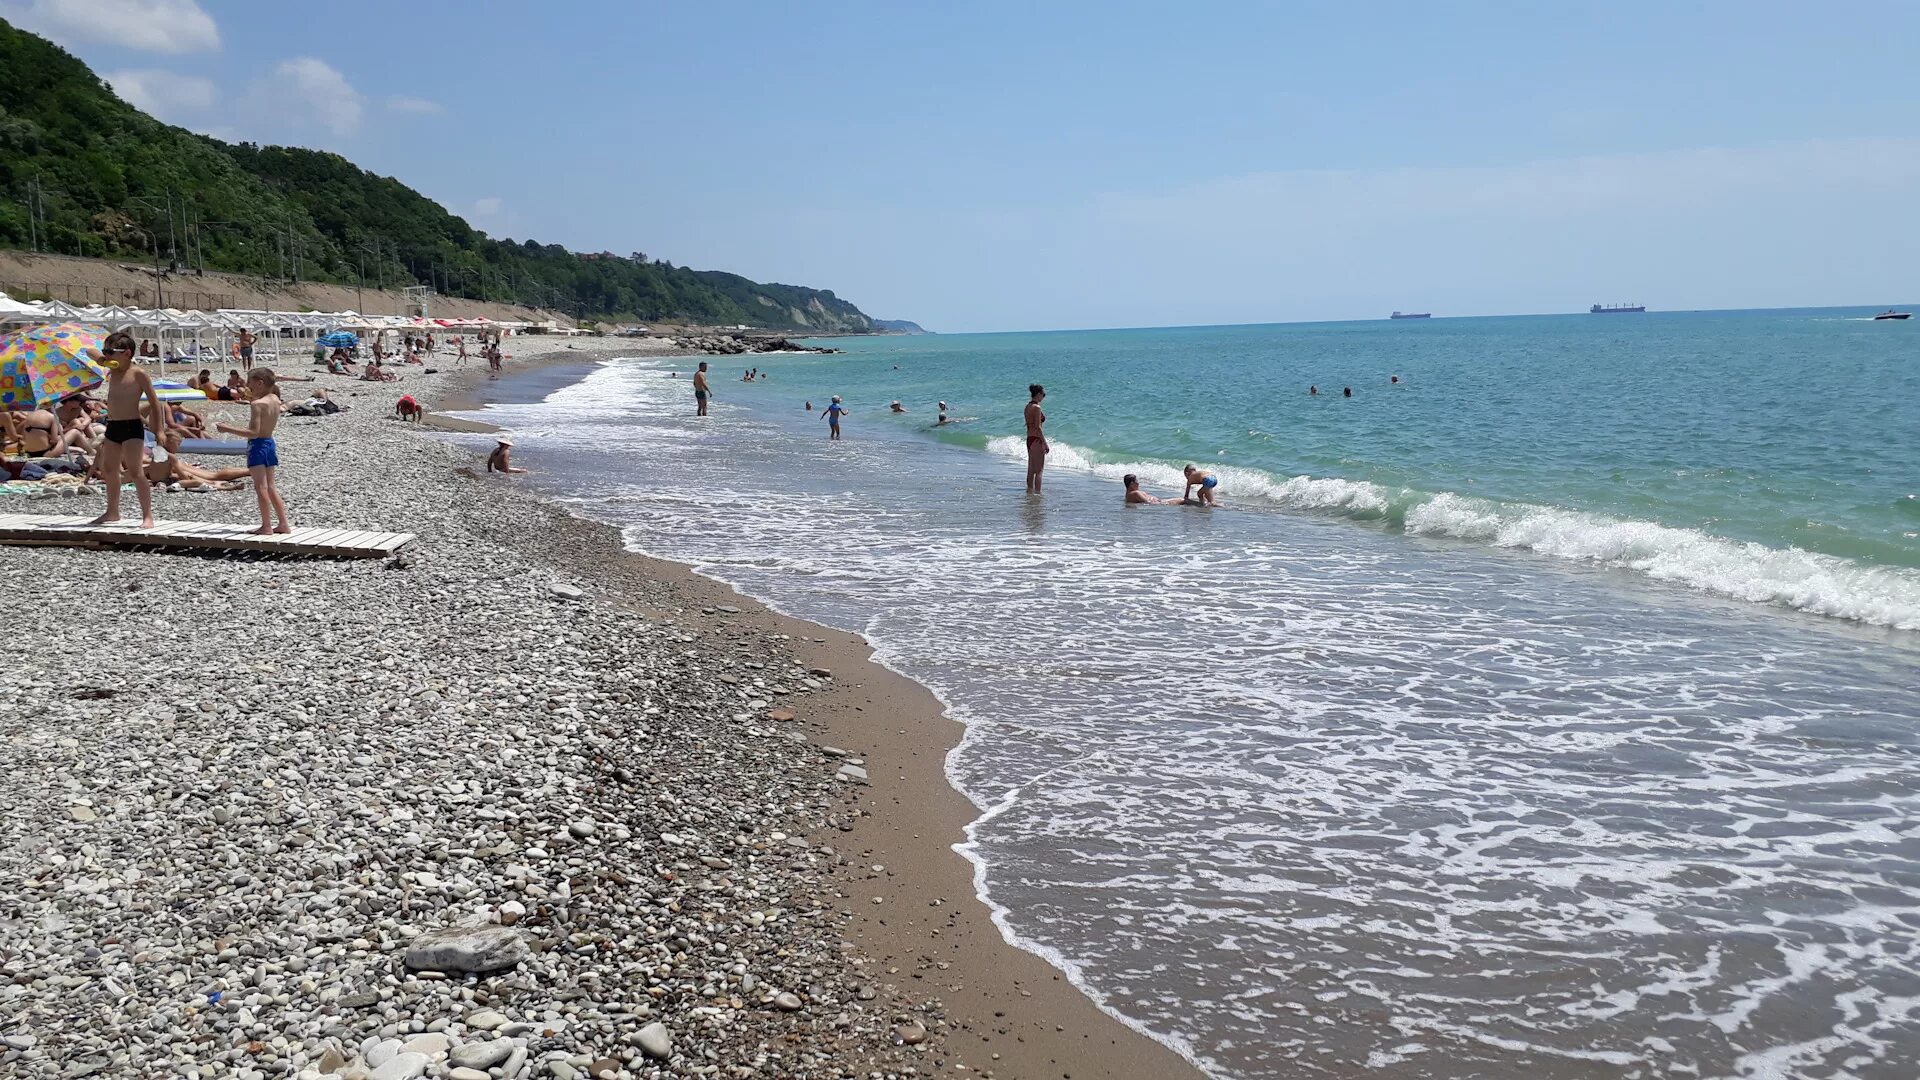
164, 466
187, 420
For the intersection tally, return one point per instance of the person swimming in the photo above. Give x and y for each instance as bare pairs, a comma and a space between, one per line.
1395, 380
943, 416
897, 407
1135, 496
1205, 481
1313, 391
1346, 391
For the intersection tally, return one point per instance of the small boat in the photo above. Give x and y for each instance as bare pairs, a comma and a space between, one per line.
1890, 314
1411, 315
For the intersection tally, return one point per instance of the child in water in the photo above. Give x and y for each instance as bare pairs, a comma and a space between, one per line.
1205, 481
833, 412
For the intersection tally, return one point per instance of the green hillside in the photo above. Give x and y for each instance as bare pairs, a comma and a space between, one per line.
84, 173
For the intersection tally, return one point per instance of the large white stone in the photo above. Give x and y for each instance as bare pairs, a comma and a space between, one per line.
467, 948
481, 1055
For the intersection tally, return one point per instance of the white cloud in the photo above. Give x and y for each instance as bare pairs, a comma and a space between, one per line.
307, 90
168, 95
404, 104
488, 206
166, 26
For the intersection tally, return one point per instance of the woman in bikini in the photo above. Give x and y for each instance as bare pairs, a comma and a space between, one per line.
41, 436
1036, 439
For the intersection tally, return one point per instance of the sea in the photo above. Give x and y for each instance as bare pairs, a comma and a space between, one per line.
1551, 711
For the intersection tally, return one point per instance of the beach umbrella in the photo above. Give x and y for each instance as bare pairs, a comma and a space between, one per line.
42, 364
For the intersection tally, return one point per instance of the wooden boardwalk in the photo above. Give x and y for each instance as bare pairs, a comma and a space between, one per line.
54, 530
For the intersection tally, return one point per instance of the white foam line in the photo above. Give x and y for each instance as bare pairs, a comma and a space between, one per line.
1001, 916
1795, 578
967, 848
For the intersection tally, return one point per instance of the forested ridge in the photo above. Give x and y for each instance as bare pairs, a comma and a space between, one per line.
85, 173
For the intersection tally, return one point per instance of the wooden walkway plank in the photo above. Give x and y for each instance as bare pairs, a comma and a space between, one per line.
308, 541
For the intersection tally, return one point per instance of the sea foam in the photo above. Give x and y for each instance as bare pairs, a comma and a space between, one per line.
1795, 578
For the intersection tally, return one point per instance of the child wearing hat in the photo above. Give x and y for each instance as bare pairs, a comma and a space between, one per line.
501, 460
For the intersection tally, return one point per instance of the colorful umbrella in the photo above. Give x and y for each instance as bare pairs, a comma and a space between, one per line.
42, 364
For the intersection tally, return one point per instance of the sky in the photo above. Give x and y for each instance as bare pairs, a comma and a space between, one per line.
1036, 165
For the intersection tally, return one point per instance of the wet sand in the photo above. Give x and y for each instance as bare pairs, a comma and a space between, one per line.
1007, 1012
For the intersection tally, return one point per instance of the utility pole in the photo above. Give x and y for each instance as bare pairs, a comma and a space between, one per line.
34, 229
173, 242
153, 236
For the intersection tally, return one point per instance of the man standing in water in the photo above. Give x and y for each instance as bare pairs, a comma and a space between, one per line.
700, 390
1036, 439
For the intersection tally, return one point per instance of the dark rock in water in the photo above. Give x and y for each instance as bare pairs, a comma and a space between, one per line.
736, 344
467, 948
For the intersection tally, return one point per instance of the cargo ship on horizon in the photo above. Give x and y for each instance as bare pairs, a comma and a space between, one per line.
1411, 315
1615, 309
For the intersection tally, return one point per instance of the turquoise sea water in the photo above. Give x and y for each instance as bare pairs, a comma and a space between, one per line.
1550, 714
1790, 429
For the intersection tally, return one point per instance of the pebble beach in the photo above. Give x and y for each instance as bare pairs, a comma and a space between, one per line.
515, 803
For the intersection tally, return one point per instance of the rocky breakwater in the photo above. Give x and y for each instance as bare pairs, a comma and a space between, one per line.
737, 344
461, 815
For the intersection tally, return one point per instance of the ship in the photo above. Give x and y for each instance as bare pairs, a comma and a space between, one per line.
1615, 309
1411, 315
1885, 315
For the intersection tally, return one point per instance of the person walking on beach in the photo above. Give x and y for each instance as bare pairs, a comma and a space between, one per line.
1036, 439
119, 452
460, 343
833, 412
246, 350
700, 390
263, 456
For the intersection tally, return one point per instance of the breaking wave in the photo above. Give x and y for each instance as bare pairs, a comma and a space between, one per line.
1794, 578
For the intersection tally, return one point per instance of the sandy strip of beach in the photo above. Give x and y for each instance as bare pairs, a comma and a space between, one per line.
243, 791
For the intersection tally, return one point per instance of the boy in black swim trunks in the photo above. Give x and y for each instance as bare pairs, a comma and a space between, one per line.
119, 454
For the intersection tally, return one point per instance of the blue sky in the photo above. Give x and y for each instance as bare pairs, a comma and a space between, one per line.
991, 166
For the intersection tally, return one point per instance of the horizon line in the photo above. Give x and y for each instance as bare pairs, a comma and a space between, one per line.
1377, 318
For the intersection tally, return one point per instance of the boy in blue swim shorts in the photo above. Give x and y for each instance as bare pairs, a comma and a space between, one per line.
1205, 481
263, 457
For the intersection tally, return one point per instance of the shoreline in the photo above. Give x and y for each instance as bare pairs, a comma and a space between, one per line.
1023, 1016
360, 738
